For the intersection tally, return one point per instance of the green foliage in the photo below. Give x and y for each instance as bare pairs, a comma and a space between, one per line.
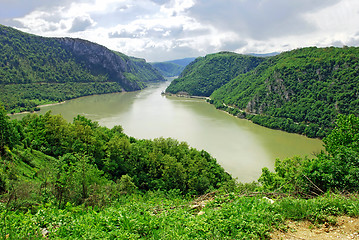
8, 134
206, 74
25, 97
344, 136
84, 150
286, 177
336, 169
156, 215
299, 91
318, 210
339, 167
71, 195
35, 70
125, 184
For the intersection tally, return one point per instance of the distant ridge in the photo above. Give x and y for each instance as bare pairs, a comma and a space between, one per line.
172, 68
183, 62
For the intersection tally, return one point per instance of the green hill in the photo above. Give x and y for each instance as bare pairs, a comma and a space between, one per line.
297, 91
206, 74
63, 68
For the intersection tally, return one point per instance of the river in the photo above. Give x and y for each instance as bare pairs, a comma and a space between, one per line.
241, 147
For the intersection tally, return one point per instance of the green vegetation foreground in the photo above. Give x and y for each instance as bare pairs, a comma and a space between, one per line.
80, 180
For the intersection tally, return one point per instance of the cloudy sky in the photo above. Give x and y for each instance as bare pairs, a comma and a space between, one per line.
160, 30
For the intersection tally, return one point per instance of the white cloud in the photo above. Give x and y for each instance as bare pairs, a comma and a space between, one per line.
168, 29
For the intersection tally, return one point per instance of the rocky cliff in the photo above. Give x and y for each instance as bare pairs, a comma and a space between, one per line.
27, 58
117, 66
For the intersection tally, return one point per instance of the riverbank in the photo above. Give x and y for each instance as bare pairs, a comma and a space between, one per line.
241, 147
184, 95
51, 104
37, 107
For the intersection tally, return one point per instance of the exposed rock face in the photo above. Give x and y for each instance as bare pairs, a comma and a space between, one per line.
118, 67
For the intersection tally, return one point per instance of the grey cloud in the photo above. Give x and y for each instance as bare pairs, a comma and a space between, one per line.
160, 33
340, 43
353, 41
11, 9
139, 33
258, 19
161, 2
122, 34
159, 54
80, 24
125, 13
19, 8
231, 45
179, 32
13, 23
196, 32
182, 49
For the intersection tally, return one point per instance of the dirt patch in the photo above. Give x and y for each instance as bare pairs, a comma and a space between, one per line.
346, 228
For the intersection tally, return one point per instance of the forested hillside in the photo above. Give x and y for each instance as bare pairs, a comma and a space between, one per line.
53, 65
206, 74
299, 91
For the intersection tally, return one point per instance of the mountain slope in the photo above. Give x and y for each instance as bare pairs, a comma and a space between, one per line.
298, 91
168, 69
172, 68
29, 59
206, 74
182, 62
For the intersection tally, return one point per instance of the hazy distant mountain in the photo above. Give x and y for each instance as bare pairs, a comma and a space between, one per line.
183, 62
172, 68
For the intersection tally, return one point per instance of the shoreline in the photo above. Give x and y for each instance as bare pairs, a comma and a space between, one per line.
39, 106
184, 95
51, 104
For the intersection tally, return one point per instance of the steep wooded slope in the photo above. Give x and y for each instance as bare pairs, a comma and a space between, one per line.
309, 86
206, 74
29, 59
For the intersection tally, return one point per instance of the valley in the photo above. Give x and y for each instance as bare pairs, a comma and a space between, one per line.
241, 147
119, 160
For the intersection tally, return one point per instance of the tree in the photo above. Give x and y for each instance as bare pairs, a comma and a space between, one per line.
344, 135
125, 185
339, 167
8, 134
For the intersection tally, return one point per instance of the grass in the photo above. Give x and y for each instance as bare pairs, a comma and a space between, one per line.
156, 215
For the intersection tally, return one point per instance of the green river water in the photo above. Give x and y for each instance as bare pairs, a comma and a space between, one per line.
241, 147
